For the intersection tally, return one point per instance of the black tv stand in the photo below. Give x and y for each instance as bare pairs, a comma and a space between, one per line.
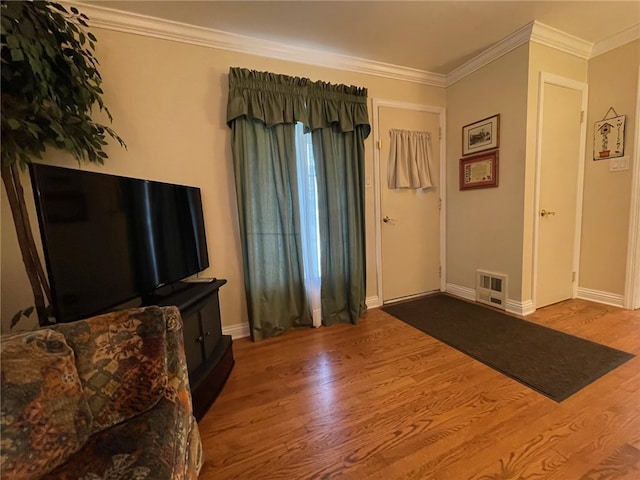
209, 353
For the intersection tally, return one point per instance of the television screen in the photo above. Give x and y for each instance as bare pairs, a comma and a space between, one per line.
109, 239
168, 232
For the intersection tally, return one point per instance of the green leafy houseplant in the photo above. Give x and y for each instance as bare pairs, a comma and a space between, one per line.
50, 85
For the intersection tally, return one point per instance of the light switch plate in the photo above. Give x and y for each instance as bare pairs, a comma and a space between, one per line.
619, 164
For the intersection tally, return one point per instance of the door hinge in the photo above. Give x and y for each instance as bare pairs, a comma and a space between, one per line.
439, 271
582, 116
573, 276
439, 204
439, 133
379, 143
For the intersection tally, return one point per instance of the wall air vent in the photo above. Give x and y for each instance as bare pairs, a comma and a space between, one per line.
491, 289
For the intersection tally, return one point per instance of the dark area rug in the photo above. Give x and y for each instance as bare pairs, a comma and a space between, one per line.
553, 363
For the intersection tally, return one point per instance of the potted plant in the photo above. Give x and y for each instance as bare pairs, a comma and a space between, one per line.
50, 84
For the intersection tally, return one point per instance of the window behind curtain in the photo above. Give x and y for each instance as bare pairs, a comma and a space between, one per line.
308, 192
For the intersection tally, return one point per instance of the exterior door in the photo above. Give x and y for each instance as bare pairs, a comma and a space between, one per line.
560, 174
409, 218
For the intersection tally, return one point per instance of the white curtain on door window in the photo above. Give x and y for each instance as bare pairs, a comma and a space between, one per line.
308, 198
409, 158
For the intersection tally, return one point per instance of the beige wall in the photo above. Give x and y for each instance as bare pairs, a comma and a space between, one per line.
168, 101
613, 82
484, 226
492, 229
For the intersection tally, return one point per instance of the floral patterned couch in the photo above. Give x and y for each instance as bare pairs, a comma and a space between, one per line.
102, 398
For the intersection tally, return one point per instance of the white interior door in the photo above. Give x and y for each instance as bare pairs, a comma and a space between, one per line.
560, 159
410, 236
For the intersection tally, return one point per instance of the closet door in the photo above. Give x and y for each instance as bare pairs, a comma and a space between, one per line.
410, 218
560, 160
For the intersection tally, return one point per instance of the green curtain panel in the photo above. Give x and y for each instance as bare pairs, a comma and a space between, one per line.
339, 115
262, 111
265, 173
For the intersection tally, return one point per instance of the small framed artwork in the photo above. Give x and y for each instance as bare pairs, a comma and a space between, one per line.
608, 138
479, 171
481, 135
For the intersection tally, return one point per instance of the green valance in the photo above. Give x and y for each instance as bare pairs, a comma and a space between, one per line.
268, 97
276, 99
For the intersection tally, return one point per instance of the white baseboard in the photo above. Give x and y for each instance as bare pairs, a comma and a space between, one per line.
607, 298
520, 308
526, 307
373, 302
460, 291
512, 306
239, 330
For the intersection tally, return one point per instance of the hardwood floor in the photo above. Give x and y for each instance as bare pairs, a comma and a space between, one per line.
381, 400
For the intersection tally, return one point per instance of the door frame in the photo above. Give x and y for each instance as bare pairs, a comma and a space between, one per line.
442, 185
546, 78
632, 280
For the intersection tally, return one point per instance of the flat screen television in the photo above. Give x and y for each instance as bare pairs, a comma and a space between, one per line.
108, 239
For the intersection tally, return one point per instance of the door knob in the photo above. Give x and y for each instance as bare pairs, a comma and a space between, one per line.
546, 213
388, 219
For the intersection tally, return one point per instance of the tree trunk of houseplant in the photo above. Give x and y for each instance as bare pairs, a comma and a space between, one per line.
30, 257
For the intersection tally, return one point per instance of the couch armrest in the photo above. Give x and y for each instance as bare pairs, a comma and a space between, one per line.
121, 361
177, 389
179, 393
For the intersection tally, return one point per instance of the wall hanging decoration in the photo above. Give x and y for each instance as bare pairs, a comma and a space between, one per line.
481, 135
608, 136
479, 171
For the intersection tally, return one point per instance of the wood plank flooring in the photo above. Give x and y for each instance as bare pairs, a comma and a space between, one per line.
382, 400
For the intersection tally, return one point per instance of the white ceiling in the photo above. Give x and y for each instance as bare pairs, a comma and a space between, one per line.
432, 36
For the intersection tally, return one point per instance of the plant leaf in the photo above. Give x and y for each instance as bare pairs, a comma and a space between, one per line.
15, 319
57, 6
17, 55
12, 41
50, 84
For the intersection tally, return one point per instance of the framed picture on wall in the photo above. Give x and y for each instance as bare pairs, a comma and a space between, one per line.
608, 138
481, 135
479, 171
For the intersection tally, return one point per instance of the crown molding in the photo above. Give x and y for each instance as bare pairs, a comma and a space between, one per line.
618, 40
559, 40
143, 25
504, 46
535, 32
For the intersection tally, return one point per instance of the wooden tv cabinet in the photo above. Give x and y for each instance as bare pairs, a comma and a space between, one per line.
209, 353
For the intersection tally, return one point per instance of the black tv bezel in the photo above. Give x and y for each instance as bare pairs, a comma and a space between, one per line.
143, 295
